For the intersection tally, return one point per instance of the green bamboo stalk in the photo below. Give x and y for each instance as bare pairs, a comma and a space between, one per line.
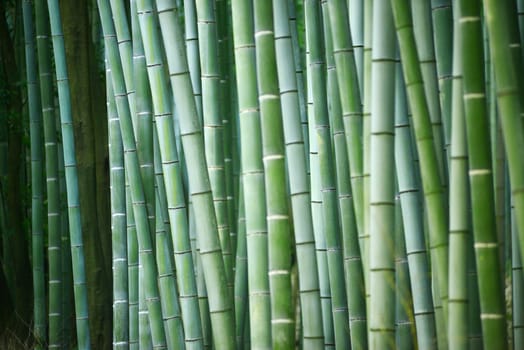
252, 176
408, 186
145, 248
423, 29
227, 111
354, 277
382, 191
118, 224
481, 180
297, 177
213, 128
405, 331
297, 58
193, 55
144, 330
220, 300
37, 176
125, 47
351, 108
142, 119
52, 179
517, 291
241, 271
459, 205
318, 229
475, 337
73, 200
273, 152
172, 175
508, 97
429, 166
442, 18
356, 20
330, 214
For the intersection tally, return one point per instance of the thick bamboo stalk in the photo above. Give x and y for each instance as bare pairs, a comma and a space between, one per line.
459, 223
273, 153
382, 191
481, 180
73, 200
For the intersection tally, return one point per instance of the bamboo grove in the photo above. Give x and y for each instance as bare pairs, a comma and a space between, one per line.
280, 174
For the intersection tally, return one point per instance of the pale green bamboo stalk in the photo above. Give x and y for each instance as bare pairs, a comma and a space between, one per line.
405, 330
434, 196
354, 277
241, 287
273, 153
408, 186
142, 117
356, 20
327, 181
193, 54
318, 222
118, 224
73, 200
144, 330
173, 185
459, 223
145, 248
442, 18
382, 191
297, 176
252, 176
37, 176
220, 300
481, 180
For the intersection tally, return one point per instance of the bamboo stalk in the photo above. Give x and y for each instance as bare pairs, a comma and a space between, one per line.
73, 200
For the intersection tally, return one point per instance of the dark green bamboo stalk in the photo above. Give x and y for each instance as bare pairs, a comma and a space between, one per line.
145, 248
297, 176
382, 191
73, 200
517, 291
429, 166
252, 175
193, 54
220, 300
241, 286
481, 180
118, 224
37, 176
354, 277
508, 98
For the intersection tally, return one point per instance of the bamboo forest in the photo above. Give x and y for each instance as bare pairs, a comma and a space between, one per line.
261, 174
